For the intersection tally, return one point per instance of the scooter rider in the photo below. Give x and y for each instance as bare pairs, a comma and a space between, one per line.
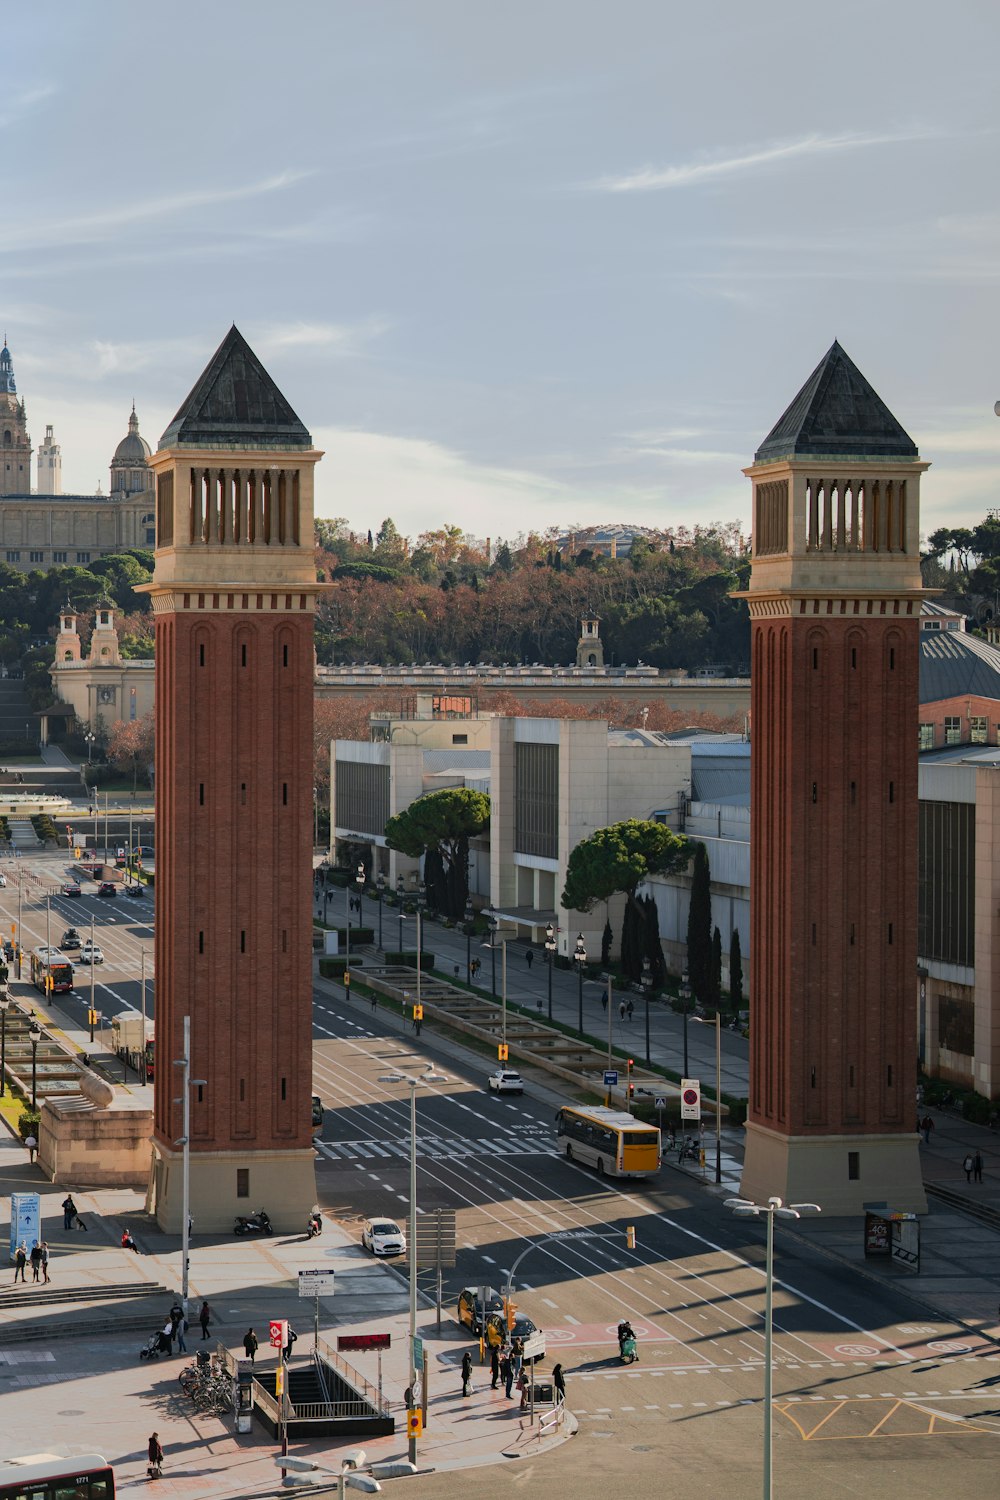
625, 1332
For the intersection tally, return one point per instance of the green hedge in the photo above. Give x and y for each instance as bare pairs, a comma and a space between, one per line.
408, 958
333, 965
358, 934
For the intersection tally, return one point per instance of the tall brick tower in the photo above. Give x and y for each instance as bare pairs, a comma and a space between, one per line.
834, 597
234, 592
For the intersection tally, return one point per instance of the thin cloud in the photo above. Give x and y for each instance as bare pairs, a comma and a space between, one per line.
91, 228
690, 174
345, 338
15, 104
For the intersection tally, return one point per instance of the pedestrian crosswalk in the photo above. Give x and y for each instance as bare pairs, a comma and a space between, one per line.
440, 1147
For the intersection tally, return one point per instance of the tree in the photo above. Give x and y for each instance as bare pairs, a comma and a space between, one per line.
716, 993
131, 745
736, 973
441, 824
615, 860
699, 928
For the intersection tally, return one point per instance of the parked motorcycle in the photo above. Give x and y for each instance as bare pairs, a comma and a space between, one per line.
315, 1224
257, 1223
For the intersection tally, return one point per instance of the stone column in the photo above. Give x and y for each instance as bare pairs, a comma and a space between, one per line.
197, 510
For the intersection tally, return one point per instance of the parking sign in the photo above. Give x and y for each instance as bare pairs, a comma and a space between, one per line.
690, 1099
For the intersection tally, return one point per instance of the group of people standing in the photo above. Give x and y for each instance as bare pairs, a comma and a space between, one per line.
37, 1256
176, 1326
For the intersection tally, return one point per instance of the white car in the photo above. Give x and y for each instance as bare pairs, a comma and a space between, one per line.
3, 878
505, 1081
91, 953
383, 1237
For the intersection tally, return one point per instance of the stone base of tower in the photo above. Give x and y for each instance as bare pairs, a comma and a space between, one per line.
282, 1182
818, 1169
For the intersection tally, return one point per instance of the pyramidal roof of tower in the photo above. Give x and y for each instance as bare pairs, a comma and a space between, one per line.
235, 404
837, 414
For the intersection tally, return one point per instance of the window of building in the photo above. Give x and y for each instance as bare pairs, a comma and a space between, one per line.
978, 729
150, 536
460, 739
59, 557
36, 556
926, 741
13, 557
952, 731
853, 1166
242, 1182
83, 557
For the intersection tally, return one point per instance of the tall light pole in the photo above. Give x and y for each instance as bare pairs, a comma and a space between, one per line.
501, 943
427, 1076
380, 883
647, 985
187, 1084
718, 1090
685, 994
4, 1008
746, 1208
90, 737
469, 917
34, 1037
493, 921
400, 897
550, 958
580, 959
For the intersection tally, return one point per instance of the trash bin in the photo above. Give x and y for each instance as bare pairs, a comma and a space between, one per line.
544, 1393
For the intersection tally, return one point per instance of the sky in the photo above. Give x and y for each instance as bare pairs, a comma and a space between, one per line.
542, 264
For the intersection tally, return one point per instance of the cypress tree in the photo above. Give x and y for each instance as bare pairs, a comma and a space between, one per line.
716, 999
736, 974
699, 928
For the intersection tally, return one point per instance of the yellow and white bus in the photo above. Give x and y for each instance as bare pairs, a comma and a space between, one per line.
615, 1143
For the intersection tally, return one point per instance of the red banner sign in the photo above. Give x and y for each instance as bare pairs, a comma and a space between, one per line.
357, 1342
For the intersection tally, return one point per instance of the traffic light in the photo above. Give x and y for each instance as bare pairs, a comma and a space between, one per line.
347, 982
511, 1311
418, 1012
630, 1236
631, 1085
414, 1423
502, 1052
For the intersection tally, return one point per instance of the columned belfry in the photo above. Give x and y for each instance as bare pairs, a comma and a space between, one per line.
234, 593
834, 597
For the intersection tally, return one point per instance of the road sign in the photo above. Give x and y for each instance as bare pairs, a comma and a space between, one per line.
690, 1099
435, 1238
418, 1353
278, 1332
610, 1078
414, 1423
316, 1283
660, 1102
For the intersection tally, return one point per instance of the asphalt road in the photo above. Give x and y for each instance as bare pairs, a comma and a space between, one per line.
869, 1391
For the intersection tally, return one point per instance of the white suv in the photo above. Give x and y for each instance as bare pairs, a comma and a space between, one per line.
91, 953
505, 1081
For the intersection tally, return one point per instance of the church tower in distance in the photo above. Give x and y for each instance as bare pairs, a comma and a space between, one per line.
15, 444
234, 593
835, 595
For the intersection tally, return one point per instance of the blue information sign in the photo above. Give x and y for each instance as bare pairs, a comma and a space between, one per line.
25, 1221
610, 1078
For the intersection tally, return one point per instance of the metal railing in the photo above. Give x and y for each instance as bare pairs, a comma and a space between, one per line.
552, 1419
353, 1378
314, 1411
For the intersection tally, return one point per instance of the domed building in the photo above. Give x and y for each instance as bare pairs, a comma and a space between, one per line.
41, 527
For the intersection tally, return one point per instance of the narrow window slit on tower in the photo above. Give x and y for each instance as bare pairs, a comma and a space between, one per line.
815, 658
201, 942
815, 793
814, 934
890, 934
812, 1078
284, 656
284, 940
243, 940
243, 656
201, 794
853, 1166
850, 1076
284, 1089
852, 934
201, 1093
243, 793
201, 656
892, 791
892, 658
243, 1090
284, 793
888, 1076
854, 657
854, 792
242, 1182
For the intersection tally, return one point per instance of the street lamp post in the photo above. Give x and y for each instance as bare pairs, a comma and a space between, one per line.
647, 985
580, 959
718, 1090
34, 1037
685, 993
380, 883
494, 923
399, 894
89, 737
493, 944
469, 916
747, 1209
4, 1008
428, 1076
550, 958
187, 1084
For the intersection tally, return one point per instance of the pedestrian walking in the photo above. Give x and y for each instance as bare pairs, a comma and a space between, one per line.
621, 1010
927, 1125
182, 1328
374, 1001
43, 1247
977, 1167
506, 1372
155, 1454
36, 1261
205, 1318
176, 1318
292, 1338
967, 1166
629, 1008
31, 1144
20, 1261
522, 1385
529, 958
494, 1367
466, 1374
250, 1345
69, 1211
559, 1383
167, 1337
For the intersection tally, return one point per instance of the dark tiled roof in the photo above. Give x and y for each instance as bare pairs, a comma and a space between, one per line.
235, 403
953, 664
837, 413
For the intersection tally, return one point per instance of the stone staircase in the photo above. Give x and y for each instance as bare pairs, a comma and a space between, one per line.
22, 834
952, 1198
138, 1308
